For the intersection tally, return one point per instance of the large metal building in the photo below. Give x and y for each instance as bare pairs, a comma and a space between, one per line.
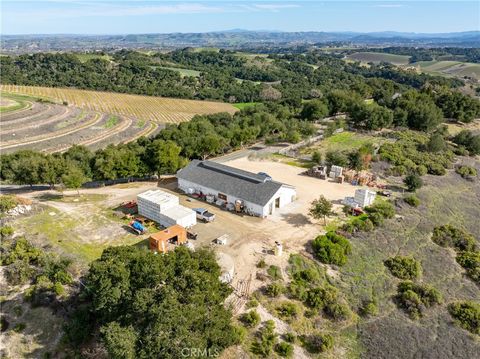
260, 195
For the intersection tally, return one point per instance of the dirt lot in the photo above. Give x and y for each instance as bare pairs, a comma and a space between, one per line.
91, 225
83, 226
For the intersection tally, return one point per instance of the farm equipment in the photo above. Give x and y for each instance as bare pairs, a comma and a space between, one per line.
192, 235
130, 204
137, 227
317, 171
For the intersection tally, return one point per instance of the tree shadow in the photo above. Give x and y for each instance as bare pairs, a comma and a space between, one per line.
45, 197
41, 323
296, 219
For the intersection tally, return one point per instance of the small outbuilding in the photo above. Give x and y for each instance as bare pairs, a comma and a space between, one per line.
163, 241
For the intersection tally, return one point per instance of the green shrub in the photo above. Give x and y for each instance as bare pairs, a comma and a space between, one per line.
274, 272
421, 170
239, 334
331, 248
471, 262
267, 339
261, 263
369, 308
308, 275
359, 223
7, 203
252, 303
409, 154
468, 140
337, 311
466, 171
19, 272
251, 319
284, 349
58, 288
467, 315
450, 236
414, 298
383, 208
274, 289
290, 337
413, 182
21, 249
319, 297
404, 267
412, 200
6, 231
318, 343
20, 327
287, 310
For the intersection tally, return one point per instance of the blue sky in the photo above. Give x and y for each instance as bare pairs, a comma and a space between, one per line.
129, 17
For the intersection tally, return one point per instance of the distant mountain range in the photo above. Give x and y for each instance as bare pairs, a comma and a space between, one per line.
234, 39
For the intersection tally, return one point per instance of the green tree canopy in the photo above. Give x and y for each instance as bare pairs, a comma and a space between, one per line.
151, 306
321, 208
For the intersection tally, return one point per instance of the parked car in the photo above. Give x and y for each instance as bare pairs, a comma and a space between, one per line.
204, 215
385, 193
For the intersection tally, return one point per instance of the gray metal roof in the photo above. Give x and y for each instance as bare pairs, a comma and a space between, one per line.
248, 186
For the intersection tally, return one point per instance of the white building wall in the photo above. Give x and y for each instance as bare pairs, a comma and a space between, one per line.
253, 208
285, 193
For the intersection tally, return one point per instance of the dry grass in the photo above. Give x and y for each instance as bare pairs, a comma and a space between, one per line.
157, 109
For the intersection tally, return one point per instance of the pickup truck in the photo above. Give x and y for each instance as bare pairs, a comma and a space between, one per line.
204, 215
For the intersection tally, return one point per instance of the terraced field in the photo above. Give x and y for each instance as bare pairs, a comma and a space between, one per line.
51, 127
156, 109
377, 57
450, 68
52, 119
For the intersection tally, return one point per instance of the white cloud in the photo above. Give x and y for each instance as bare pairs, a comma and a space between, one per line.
88, 9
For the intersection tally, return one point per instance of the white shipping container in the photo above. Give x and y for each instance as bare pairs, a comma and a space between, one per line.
180, 215
164, 208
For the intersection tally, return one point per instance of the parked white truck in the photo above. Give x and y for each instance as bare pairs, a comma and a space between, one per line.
204, 215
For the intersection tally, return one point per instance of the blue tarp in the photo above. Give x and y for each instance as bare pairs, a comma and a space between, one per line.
138, 226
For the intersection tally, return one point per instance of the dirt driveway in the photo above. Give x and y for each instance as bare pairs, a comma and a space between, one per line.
250, 238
